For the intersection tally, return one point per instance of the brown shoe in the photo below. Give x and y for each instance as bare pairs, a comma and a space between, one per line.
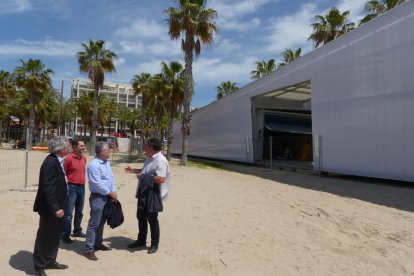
102, 247
91, 256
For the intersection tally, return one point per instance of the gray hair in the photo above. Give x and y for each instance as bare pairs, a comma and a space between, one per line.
56, 144
99, 147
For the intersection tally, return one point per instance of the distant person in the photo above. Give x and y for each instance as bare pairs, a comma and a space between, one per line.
156, 170
102, 188
74, 165
50, 203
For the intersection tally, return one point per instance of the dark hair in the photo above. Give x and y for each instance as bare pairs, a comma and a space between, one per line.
75, 141
154, 143
99, 147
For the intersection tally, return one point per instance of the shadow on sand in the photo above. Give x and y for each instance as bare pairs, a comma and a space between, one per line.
116, 243
22, 261
390, 193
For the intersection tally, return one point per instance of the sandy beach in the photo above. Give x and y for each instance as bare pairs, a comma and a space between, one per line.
240, 220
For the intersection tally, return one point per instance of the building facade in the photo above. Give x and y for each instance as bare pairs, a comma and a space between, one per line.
121, 93
345, 107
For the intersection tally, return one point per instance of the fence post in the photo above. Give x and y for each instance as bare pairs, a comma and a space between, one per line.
26, 169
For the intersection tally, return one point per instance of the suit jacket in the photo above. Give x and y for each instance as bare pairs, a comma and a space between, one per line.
52, 191
148, 194
113, 213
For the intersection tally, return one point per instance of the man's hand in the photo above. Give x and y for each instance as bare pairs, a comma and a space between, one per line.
128, 169
59, 213
113, 196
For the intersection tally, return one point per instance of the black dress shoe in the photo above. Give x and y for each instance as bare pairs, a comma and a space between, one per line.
56, 265
102, 247
67, 239
79, 235
152, 249
39, 272
136, 244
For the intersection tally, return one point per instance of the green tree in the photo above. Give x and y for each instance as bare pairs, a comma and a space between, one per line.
34, 77
263, 68
141, 86
376, 8
173, 75
331, 26
157, 99
289, 55
95, 60
46, 112
84, 108
226, 88
195, 23
7, 94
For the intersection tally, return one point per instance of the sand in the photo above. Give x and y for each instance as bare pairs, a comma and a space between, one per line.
242, 220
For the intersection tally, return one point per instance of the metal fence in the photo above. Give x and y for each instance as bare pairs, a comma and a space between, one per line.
19, 168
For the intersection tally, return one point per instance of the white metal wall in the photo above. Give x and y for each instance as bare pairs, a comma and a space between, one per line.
362, 103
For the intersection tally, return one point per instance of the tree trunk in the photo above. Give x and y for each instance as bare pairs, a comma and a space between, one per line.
29, 142
169, 132
188, 93
94, 119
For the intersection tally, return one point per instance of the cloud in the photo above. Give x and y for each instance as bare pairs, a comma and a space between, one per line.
161, 48
225, 46
229, 9
291, 30
142, 28
356, 8
43, 48
14, 6
207, 71
119, 62
231, 16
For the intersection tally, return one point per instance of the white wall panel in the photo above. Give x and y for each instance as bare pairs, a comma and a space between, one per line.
362, 103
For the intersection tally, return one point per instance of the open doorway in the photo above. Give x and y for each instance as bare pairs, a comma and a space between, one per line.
282, 126
287, 137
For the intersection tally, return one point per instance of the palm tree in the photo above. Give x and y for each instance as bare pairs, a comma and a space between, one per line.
96, 61
34, 78
226, 88
192, 20
173, 75
141, 85
289, 56
157, 99
375, 8
46, 111
263, 68
84, 107
6, 95
331, 26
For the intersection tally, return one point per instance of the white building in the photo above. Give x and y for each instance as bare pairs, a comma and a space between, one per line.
347, 107
120, 92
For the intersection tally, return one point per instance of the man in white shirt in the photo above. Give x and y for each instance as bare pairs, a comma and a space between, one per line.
157, 166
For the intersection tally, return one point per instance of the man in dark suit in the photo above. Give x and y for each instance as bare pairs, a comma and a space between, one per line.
49, 203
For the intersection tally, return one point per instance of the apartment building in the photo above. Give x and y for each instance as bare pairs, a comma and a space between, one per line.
119, 92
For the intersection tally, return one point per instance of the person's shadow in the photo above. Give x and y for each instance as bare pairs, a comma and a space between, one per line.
23, 261
117, 243
121, 243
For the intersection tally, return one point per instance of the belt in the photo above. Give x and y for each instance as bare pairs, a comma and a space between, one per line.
77, 184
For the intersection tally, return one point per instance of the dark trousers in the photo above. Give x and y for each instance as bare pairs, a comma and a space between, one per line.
145, 218
47, 241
